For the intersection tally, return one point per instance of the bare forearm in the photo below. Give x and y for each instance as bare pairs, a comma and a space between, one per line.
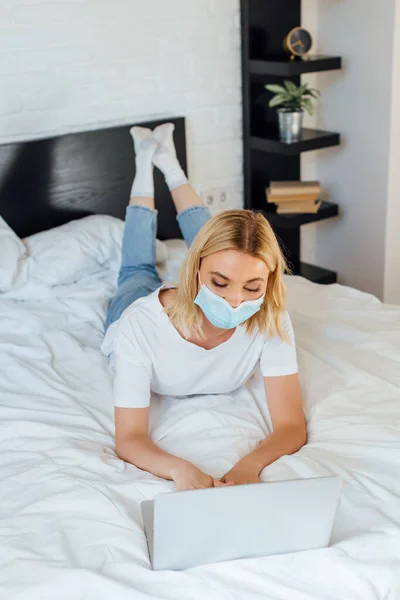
285, 440
143, 453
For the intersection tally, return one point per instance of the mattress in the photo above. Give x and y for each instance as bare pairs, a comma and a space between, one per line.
70, 521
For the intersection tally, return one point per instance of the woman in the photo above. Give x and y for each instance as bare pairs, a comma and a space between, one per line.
205, 336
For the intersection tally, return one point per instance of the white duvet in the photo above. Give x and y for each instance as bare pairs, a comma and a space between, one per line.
70, 525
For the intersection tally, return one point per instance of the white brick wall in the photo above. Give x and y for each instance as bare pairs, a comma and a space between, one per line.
71, 65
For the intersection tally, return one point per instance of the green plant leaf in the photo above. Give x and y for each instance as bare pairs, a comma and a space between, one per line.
290, 86
275, 89
311, 94
308, 105
302, 89
277, 100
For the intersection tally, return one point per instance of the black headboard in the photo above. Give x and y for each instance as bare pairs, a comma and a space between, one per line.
48, 182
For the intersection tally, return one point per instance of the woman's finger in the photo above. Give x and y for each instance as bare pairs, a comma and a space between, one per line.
221, 483
218, 483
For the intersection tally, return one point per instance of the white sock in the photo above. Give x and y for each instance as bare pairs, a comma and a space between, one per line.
165, 157
145, 147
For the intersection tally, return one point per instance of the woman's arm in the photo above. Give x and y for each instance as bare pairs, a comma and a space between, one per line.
289, 429
133, 445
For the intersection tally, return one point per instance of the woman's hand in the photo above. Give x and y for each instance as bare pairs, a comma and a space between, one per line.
188, 477
244, 471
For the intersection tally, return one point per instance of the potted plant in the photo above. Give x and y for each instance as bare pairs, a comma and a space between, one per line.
293, 100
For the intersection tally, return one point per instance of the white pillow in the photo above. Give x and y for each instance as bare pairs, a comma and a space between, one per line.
169, 269
65, 254
79, 248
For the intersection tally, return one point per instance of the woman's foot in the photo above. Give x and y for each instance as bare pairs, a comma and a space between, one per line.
140, 135
163, 134
145, 148
165, 157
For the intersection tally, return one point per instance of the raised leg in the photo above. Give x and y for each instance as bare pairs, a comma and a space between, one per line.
142, 192
191, 212
191, 220
138, 276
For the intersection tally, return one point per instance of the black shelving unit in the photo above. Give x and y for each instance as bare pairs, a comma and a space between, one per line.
326, 211
291, 68
315, 274
265, 23
310, 139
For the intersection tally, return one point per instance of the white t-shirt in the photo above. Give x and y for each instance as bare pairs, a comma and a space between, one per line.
149, 355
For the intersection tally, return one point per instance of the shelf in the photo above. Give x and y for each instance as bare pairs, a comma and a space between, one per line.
292, 68
310, 139
264, 25
326, 211
316, 274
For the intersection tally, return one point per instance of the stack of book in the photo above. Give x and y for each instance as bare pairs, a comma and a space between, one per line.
294, 197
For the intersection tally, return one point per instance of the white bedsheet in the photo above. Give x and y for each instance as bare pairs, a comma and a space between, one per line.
70, 524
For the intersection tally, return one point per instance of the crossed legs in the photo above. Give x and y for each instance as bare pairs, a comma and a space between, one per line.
138, 276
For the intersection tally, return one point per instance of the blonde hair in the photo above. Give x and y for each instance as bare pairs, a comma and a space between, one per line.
250, 233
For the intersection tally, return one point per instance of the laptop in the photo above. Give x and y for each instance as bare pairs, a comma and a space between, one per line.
196, 527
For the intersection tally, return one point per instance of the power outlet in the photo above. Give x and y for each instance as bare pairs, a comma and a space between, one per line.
216, 199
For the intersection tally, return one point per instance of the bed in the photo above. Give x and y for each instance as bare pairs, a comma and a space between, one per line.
70, 522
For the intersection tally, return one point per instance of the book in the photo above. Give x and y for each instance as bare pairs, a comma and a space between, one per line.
288, 188
298, 208
291, 197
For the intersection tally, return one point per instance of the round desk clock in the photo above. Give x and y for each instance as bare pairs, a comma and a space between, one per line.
298, 42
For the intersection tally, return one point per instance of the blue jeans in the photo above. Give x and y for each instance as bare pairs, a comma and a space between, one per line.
138, 276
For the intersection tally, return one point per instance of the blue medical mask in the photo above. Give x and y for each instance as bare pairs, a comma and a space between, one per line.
220, 313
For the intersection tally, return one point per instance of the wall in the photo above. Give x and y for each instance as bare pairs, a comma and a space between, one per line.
392, 262
81, 64
356, 102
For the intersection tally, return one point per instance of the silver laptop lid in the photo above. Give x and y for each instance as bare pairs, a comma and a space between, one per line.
216, 524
